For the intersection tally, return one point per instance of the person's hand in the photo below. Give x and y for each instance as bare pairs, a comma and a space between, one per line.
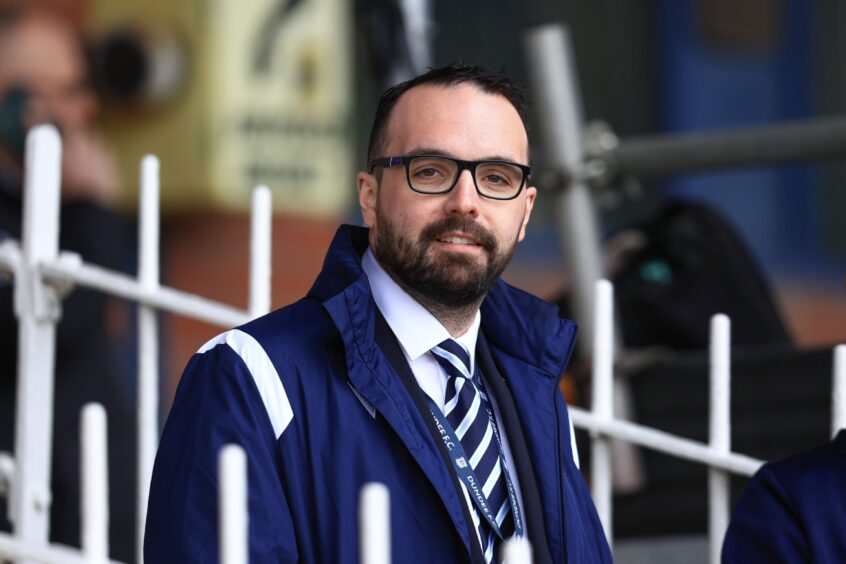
88, 168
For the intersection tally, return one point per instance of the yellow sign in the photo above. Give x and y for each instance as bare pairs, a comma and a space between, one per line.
267, 100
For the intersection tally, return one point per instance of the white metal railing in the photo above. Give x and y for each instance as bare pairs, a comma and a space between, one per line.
838, 391
37, 307
373, 520
94, 512
602, 404
716, 455
233, 517
94, 481
148, 349
719, 432
42, 274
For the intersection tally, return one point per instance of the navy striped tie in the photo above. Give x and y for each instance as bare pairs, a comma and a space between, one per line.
466, 413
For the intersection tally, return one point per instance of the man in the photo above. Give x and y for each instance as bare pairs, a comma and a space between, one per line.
408, 363
43, 79
793, 511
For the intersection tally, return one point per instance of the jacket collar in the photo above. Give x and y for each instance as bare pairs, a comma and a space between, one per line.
342, 265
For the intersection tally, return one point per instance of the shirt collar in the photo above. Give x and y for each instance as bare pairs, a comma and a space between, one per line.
416, 329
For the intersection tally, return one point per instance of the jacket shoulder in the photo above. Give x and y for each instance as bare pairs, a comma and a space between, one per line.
298, 339
295, 331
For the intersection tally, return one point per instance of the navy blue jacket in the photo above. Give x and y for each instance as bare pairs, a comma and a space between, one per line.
793, 510
315, 402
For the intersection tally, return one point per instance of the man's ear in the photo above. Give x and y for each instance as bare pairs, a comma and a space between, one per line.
531, 194
368, 190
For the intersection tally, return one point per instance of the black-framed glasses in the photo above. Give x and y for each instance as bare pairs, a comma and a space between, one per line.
434, 174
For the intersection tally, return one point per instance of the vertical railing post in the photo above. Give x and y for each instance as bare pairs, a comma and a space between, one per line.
38, 309
516, 551
148, 353
602, 403
838, 390
233, 509
261, 219
719, 431
374, 524
94, 484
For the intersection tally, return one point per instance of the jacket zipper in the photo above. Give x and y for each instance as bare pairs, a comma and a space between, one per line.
560, 454
560, 474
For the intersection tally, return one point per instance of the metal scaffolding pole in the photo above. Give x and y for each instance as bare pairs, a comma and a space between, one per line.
656, 155
554, 85
552, 73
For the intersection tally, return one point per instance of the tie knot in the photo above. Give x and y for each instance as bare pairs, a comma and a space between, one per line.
453, 358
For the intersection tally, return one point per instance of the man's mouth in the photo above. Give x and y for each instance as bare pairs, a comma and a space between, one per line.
458, 240
459, 234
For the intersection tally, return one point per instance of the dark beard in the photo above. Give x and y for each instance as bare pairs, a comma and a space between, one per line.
449, 279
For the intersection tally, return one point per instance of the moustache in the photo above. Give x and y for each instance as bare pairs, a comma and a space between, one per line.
435, 230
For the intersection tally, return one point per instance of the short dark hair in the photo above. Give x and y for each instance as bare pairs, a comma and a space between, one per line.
452, 74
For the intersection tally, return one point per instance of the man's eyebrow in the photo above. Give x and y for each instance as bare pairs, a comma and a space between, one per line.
441, 153
429, 151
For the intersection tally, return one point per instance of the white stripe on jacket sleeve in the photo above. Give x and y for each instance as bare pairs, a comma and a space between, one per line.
264, 375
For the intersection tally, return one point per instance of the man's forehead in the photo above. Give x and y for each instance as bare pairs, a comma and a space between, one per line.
460, 119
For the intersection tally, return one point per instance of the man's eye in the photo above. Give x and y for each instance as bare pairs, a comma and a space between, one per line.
495, 179
428, 173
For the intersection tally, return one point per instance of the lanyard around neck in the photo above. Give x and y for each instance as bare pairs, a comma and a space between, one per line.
465, 472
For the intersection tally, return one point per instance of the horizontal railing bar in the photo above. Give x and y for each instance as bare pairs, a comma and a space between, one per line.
11, 547
667, 443
163, 298
68, 269
124, 286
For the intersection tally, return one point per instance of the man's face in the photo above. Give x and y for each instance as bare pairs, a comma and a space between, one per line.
447, 247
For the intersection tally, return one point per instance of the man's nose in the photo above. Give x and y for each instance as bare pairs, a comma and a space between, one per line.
463, 198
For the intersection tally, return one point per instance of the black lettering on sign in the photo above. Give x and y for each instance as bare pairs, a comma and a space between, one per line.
265, 39
280, 175
255, 126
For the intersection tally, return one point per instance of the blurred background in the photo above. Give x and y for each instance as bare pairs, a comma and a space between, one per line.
282, 92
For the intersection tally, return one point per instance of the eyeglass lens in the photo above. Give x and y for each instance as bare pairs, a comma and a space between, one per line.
437, 174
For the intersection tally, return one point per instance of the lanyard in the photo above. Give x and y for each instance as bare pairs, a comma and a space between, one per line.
465, 472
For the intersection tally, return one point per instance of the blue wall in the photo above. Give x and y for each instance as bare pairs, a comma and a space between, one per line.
705, 84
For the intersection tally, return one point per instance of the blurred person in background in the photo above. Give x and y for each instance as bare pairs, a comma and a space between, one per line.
44, 79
